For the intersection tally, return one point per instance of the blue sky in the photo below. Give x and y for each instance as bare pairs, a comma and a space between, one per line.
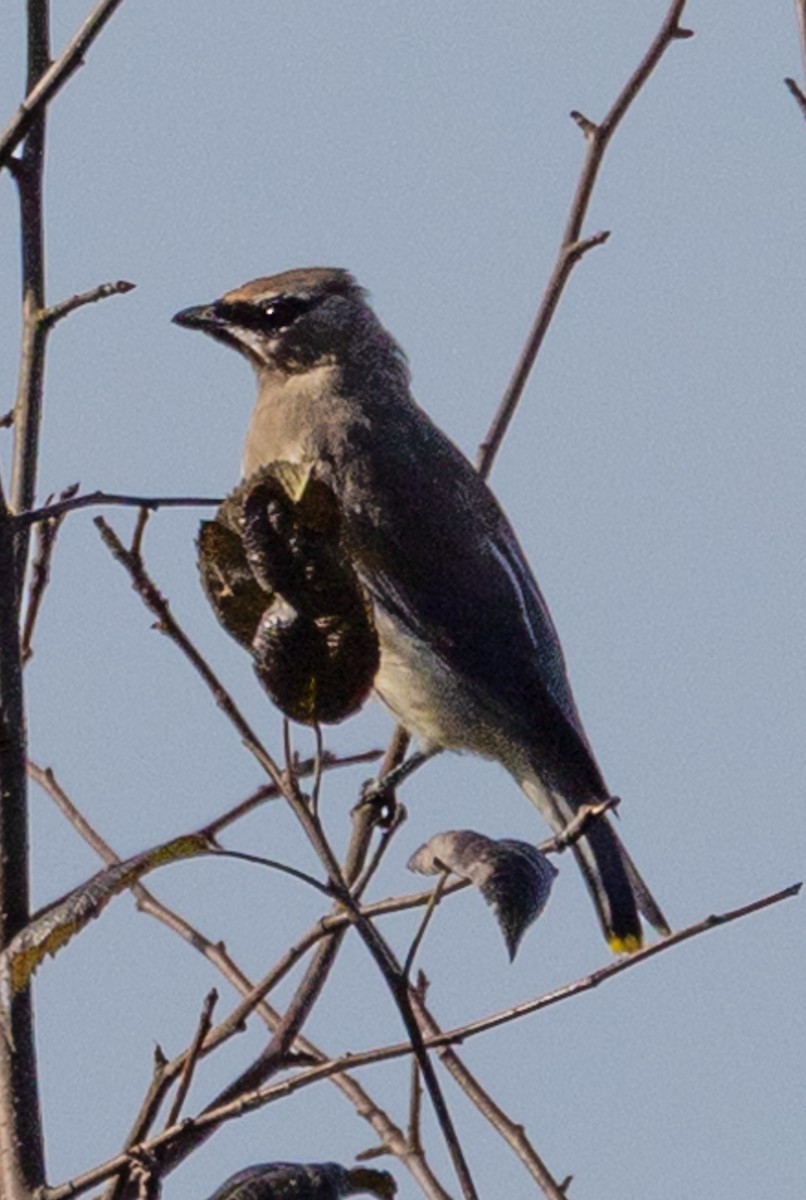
654, 474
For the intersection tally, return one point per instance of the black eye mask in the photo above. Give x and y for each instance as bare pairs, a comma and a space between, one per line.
273, 317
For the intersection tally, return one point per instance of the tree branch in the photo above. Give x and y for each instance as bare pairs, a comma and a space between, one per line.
96, 499
794, 87
40, 576
391, 1136
57, 312
573, 246
262, 1096
151, 596
513, 1133
22, 1165
44, 87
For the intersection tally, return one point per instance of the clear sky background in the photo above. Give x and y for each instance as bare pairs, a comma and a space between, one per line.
654, 474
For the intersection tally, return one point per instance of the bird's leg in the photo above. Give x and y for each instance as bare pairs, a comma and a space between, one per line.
382, 789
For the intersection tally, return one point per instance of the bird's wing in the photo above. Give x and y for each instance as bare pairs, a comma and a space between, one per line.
448, 567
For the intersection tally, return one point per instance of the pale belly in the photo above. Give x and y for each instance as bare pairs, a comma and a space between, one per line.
430, 701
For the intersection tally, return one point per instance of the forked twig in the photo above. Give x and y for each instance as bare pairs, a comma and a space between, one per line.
47, 532
57, 312
53, 79
98, 499
573, 246
257, 1099
165, 1073
192, 1056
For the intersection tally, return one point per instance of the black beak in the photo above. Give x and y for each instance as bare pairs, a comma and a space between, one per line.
202, 317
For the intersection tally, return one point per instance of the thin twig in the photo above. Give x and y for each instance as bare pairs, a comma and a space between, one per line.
388, 831
395, 980
391, 1136
40, 575
317, 774
573, 246
321, 966
57, 312
512, 1132
578, 824
98, 499
434, 900
269, 791
151, 596
798, 93
473, 1029
136, 547
414, 1129
274, 865
42, 91
192, 1056
262, 1096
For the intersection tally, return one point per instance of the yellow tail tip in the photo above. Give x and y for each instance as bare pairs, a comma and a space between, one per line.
625, 945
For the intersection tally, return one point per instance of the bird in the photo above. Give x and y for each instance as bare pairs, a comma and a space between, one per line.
470, 658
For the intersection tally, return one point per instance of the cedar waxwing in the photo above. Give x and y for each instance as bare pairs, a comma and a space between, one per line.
470, 659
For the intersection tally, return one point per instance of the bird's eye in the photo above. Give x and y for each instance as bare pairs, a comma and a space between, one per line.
271, 317
283, 311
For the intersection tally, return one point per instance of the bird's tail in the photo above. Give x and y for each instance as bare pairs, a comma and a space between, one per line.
618, 891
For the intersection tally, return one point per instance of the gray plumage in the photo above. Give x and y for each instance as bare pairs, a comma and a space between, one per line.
470, 658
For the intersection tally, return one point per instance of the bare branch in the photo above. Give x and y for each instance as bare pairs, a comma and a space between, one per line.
40, 576
43, 89
396, 982
792, 84
459, 1035
513, 1133
213, 950
322, 963
57, 312
270, 791
22, 1166
97, 499
199, 1128
573, 246
151, 596
192, 1056
796, 91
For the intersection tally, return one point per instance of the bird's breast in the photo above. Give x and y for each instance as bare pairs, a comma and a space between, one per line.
432, 702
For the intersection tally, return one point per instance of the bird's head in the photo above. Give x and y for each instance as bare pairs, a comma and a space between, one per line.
290, 322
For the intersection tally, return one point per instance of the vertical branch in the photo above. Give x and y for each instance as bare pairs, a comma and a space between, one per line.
29, 172
21, 1151
21, 1154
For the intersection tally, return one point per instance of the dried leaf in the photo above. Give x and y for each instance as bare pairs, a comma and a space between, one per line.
514, 877
54, 926
276, 574
235, 596
305, 1181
